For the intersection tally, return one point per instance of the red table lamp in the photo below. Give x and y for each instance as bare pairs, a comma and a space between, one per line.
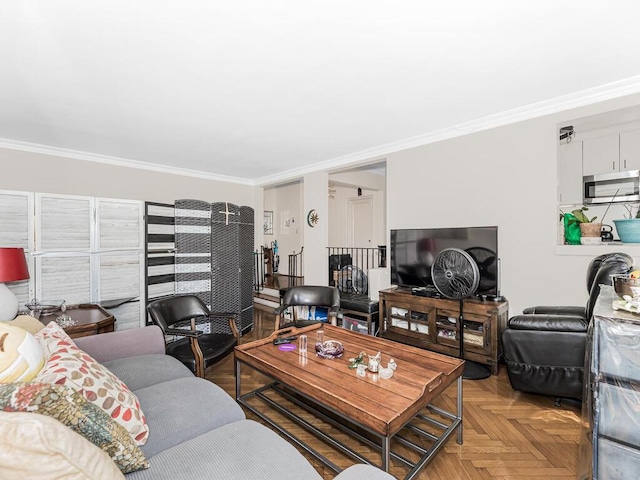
13, 267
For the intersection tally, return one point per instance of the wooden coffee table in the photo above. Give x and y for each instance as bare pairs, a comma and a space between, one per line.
365, 407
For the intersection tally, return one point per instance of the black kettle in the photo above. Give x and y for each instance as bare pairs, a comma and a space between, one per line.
606, 233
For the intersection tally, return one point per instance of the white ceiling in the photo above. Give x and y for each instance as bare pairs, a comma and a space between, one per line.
260, 90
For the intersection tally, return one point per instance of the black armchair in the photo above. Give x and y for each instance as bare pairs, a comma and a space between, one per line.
544, 348
197, 350
307, 296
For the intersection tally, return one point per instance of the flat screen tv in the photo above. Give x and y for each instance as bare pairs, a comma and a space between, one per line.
413, 251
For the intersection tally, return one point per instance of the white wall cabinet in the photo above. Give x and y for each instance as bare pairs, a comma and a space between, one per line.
630, 150
570, 173
611, 153
601, 155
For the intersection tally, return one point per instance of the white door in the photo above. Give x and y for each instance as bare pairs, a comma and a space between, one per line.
360, 222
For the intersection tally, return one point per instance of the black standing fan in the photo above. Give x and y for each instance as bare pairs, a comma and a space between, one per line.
487, 262
456, 275
352, 279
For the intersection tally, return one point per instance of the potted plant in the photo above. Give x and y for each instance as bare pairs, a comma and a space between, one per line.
590, 231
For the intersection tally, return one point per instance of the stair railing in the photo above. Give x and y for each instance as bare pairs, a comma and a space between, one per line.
363, 258
296, 277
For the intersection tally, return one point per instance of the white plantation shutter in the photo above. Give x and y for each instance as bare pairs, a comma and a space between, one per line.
16, 216
16, 213
63, 247
89, 250
120, 278
64, 223
63, 277
80, 249
120, 243
119, 275
119, 225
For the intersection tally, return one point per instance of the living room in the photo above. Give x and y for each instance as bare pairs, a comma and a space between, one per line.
491, 166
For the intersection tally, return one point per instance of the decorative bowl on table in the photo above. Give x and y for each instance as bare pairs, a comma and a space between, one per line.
46, 307
329, 349
625, 285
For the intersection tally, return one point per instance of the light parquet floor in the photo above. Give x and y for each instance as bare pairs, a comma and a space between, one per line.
508, 435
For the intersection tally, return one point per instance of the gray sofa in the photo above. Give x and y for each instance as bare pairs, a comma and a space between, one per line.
196, 430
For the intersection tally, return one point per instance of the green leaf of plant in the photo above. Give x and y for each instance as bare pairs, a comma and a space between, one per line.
580, 216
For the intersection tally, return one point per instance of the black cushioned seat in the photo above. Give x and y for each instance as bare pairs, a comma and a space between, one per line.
307, 296
358, 303
197, 350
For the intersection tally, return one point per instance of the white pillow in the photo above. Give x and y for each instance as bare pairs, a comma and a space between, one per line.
21, 355
37, 446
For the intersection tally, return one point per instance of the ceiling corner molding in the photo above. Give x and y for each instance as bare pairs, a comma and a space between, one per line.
556, 105
582, 98
117, 161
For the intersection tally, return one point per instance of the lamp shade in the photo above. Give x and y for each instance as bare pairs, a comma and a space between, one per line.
13, 265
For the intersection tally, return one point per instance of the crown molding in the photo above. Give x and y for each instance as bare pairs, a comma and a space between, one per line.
582, 98
117, 161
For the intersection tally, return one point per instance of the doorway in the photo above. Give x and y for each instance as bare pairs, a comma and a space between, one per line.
360, 222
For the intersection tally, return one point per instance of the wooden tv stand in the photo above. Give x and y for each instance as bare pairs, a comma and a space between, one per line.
431, 323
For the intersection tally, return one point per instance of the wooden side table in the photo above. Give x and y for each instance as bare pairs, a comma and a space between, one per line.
90, 320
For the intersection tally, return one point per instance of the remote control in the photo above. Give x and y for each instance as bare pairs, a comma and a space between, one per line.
281, 340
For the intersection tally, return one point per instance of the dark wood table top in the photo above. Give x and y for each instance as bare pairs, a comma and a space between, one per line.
88, 317
383, 405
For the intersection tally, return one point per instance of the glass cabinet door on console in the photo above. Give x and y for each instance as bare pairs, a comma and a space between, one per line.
410, 320
476, 334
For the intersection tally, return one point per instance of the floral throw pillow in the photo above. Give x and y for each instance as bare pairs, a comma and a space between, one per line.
68, 365
50, 335
71, 409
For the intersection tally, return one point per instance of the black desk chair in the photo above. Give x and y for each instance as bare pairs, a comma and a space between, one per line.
197, 350
307, 296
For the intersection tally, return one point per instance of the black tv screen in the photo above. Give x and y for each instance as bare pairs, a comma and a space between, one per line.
413, 251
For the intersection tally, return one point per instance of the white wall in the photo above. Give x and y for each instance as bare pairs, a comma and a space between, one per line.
269, 204
316, 265
507, 177
34, 172
258, 212
359, 178
286, 203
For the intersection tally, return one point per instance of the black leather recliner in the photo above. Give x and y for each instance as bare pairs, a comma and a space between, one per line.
544, 348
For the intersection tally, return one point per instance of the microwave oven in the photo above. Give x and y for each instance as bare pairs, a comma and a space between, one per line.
611, 187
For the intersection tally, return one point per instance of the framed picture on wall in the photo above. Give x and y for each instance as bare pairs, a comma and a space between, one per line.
268, 222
